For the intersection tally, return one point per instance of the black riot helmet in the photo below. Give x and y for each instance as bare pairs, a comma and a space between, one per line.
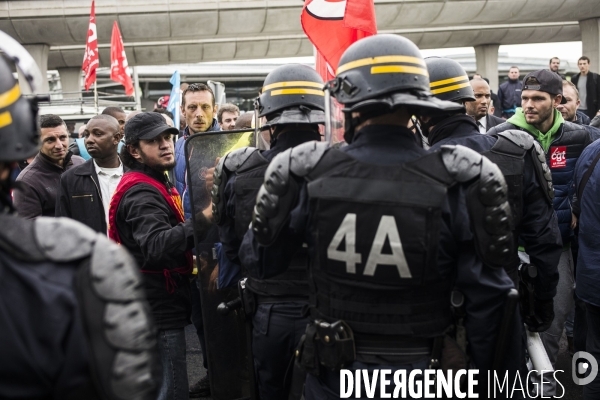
449, 81
19, 136
379, 73
291, 94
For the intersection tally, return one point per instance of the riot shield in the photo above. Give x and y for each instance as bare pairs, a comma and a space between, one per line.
227, 348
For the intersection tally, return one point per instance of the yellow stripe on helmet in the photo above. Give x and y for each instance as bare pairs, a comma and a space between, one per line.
10, 96
449, 88
447, 81
277, 85
297, 91
380, 60
5, 119
399, 69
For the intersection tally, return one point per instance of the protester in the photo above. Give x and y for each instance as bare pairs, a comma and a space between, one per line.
146, 217
509, 93
36, 194
563, 142
588, 85
85, 191
227, 115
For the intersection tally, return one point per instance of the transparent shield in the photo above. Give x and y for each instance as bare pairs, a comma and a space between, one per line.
334, 119
227, 347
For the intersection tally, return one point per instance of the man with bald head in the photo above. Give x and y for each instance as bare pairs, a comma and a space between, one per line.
479, 109
85, 191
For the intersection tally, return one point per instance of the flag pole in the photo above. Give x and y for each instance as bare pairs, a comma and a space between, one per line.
96, 96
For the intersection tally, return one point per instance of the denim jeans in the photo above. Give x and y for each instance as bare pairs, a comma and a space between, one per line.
171, 350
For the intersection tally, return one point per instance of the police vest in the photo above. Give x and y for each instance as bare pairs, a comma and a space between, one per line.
377, 233
249, 167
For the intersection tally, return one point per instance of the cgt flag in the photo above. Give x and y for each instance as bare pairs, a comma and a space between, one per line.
118, 61
90, 58
175, 98
333, 25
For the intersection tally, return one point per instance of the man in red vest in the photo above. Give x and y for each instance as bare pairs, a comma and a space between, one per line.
146, 217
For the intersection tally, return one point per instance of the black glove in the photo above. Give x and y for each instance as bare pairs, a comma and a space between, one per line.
544, 315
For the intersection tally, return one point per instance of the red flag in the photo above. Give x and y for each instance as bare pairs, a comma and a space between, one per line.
90, 58
333, 25
118, 61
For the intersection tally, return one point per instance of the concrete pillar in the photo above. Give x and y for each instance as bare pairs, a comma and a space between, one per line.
486, 56
70, 80
590, 29
39, 52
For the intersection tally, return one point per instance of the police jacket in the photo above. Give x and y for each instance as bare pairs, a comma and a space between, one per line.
63, 290
536, 226
565, 148
80, 198
586, 208
355, 208
239, 199
593, 92
181, 165
36, 194
149, 229
509, 94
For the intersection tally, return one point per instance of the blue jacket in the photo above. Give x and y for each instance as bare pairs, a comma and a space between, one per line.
586, 207
509, 94
572, 139
180, 168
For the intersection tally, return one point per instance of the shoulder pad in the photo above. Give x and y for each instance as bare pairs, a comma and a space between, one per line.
462, 163
64, 239
226, 166
279, 192
542, 171
520, 138
487, 202
306, 156
17, 237
118, 323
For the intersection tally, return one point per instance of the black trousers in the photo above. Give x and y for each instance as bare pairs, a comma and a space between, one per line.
276, 332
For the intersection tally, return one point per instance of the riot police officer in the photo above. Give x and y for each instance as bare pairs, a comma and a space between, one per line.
530, 192
292, 103
387, 227
75, 323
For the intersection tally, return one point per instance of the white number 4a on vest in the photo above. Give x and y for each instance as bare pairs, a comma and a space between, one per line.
387, 229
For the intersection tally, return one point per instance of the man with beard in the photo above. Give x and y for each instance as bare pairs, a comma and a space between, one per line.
146, 217
85, 191
479, 109
562, 142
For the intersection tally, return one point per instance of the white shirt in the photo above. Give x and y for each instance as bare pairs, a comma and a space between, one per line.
482, 125
108, 179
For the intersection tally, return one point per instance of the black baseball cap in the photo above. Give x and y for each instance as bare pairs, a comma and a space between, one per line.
545, 81
147, 125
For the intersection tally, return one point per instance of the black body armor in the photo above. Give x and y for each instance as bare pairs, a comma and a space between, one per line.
376, 266
249, 167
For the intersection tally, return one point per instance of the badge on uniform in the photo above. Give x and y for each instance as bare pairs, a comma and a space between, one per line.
558, 157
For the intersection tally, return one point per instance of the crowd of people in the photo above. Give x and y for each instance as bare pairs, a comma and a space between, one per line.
352, 251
